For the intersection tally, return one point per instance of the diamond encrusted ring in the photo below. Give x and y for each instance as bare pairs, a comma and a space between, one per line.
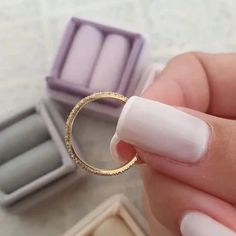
68, 135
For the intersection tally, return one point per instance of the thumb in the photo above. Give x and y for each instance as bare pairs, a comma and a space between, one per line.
191, 146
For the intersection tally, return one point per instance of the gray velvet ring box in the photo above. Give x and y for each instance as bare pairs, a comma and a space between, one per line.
108, 58
32, 153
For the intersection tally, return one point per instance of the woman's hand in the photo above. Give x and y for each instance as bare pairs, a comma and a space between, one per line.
189, 148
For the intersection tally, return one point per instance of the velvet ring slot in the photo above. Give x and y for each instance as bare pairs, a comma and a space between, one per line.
110, 64
32, 153
82, 55
94, 57
29, 166
17, 138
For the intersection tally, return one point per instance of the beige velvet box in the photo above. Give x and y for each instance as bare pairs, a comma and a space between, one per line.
117, 205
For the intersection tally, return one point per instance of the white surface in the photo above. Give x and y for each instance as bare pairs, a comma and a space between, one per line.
30, 33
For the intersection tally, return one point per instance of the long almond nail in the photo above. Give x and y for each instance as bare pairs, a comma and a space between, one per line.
199, 224
162, 129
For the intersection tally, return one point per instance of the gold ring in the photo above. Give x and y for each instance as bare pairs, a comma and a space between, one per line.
68, 135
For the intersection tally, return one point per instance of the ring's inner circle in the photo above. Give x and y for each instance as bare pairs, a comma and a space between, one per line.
92, 135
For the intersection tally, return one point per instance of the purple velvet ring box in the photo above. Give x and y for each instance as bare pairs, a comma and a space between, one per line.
32, 153
93, 57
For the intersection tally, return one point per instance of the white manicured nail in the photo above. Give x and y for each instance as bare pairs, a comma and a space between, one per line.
199, 224
162, 129
113, 148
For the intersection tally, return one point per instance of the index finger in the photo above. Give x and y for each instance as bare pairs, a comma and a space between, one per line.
200, 81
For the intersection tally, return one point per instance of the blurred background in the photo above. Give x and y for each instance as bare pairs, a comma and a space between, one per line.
30, 32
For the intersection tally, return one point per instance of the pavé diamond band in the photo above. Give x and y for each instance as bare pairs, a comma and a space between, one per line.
68, 135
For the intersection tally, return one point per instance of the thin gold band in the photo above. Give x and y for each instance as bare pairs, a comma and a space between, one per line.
68, 135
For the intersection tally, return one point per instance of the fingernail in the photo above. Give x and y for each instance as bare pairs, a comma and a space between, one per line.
113, 148
163, 130
199, 224
153, 75
148, 77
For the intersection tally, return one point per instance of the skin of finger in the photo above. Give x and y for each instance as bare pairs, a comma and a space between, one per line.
169, 89
215, 173
170, 199
195, 80
155, 227
221, 71
199, 81
125, 151
175, 85
214, 177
